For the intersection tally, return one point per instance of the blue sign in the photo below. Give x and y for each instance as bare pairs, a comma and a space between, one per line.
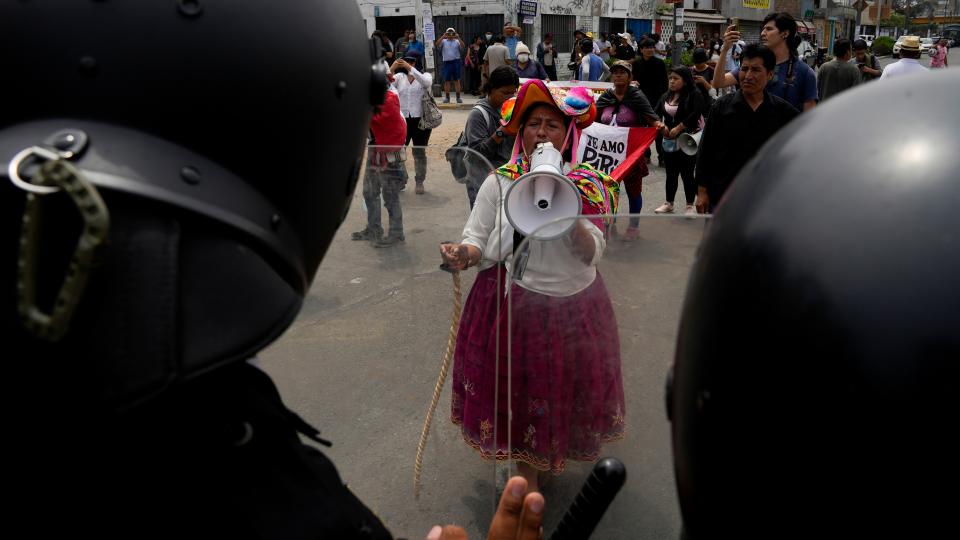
528, 8
376, 11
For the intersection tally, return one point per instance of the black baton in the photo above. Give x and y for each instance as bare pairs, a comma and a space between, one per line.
595, 496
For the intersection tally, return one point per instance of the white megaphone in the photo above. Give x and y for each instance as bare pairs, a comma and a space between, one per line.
689, 143
542, 203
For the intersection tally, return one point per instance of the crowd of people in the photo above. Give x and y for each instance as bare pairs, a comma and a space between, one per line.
735, 105
730, 86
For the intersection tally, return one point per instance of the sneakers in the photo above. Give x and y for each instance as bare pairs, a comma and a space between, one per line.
420, 189
665, 208
388, 240
690, 211
367, 234
459, 100
446, 99
632, 234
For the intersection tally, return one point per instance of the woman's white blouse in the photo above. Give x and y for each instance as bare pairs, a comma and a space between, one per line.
552, 268
412, 92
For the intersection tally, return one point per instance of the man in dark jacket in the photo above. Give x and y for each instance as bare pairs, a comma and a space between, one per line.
739, 124
651, 73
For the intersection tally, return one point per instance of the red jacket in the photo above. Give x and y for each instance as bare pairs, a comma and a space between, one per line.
388, 126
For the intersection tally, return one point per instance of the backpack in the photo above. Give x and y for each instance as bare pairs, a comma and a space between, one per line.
455, 156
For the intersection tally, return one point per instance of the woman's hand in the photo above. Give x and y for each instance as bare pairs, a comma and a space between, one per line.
675, 132
459, 256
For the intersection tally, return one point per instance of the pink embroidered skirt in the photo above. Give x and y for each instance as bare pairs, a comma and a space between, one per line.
566, 387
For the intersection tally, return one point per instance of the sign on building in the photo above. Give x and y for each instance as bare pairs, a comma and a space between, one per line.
756, 4
528, 10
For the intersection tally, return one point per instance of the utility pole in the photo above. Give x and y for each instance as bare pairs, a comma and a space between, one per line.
677, 31
860, 5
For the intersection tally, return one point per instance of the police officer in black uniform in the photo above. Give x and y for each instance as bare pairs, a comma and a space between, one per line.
814, 391
173, 174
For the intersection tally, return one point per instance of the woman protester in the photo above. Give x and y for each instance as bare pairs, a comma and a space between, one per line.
527, 67
566, 391
410, 83
483, 130
625, 105
681, 107
938, 59
473, 60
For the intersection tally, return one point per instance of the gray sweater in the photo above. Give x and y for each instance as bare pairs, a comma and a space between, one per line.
835, 77
478, 131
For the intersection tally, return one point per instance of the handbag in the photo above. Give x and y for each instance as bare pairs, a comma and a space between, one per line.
430, 116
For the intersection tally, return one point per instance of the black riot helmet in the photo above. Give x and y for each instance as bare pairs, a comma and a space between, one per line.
224, 139
814, 389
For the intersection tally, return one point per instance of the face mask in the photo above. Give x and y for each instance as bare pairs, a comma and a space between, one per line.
523, 57
489, 36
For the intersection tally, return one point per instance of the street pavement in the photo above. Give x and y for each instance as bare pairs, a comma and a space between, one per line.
924, 60
361, 362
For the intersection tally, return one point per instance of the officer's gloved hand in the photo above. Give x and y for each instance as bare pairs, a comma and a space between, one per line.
518, 517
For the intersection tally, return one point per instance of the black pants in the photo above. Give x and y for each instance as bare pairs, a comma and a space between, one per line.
551, 72
659, 144
420, 138
680, 165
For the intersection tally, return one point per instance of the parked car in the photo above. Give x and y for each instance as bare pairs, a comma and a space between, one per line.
926, 44
896, 46
868, 39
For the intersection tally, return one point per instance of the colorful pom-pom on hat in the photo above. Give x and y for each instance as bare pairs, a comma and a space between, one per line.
576, 102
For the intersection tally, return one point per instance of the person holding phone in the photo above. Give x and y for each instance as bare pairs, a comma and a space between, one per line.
547, 56
867, 63
410, 84
793, 80
451, 46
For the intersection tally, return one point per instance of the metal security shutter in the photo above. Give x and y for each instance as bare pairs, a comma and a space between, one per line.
610, 25
562, 27
469, 26
750, 31
394, 27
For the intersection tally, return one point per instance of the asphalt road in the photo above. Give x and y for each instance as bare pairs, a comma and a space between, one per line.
361, 362
924, 60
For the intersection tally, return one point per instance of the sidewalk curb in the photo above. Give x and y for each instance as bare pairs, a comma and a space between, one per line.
455, 106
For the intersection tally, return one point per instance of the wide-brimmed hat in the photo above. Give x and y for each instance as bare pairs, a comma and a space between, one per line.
910, 43
623, 64
576, 102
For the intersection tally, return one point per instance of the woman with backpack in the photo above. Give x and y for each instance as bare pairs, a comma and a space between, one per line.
482, 131
681, 108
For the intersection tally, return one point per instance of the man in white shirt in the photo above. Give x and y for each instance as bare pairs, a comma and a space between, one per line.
661, 48
909, 60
